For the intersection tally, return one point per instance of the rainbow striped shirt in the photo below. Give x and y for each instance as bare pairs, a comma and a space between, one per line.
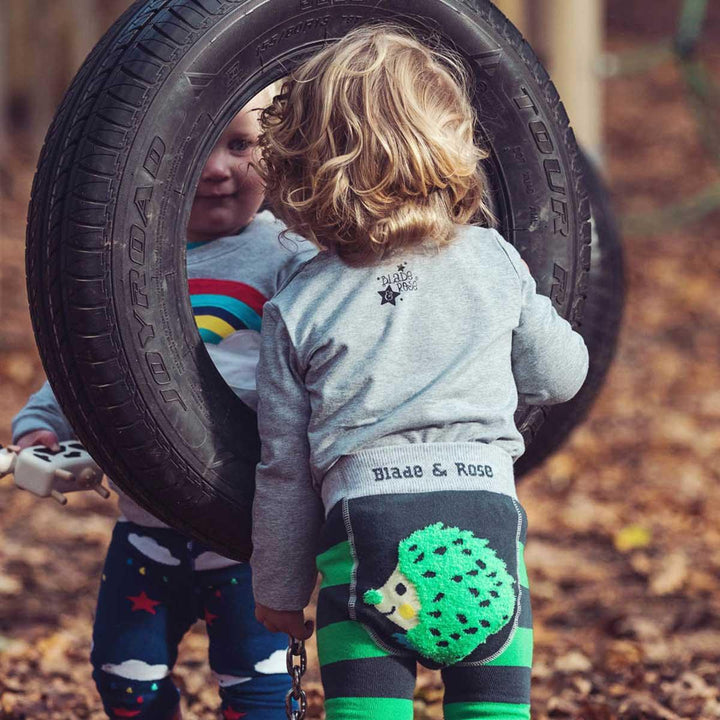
231, 278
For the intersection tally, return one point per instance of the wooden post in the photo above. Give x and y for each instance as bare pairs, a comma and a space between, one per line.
17, 20
85, 28
517, 13
48, 64
110, 11
4, 52
572, 36
45, 43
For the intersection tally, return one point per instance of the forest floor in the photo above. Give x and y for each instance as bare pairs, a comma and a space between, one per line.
624, 544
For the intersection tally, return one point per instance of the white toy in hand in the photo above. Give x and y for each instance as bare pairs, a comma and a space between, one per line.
50, 473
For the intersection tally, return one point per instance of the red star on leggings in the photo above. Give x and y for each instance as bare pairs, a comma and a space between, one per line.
230, 714
209, 617
143, 602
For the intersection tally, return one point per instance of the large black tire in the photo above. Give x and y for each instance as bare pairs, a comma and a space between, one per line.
106, 257
600, 326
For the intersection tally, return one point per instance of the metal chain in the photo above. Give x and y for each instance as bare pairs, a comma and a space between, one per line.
296, 648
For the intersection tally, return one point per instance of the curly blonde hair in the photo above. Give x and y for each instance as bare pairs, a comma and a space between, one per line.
370, 148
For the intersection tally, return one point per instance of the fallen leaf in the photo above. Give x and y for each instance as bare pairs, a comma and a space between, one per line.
632, 537
621, 654
671, 576
572, 662
10, 585
643, 705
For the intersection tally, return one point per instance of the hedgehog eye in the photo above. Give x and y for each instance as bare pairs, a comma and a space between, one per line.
400, 589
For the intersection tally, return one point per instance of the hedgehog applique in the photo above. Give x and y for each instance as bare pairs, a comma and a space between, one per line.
449, 591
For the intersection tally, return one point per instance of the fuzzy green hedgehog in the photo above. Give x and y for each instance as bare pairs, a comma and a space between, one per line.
450, 591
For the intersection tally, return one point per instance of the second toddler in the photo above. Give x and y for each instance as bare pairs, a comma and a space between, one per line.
157, 581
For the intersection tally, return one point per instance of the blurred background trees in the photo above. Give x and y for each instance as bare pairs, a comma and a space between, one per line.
43, 43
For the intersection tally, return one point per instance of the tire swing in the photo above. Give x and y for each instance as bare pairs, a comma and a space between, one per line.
111, 198
600, 324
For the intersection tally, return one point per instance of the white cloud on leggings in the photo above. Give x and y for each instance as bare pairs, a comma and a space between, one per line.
153, 549
212, 561
137, 670
276, 663
227, 680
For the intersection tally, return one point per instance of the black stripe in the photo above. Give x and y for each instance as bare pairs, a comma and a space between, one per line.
333, 531
525, 619
332, 605
486, 683
386, 677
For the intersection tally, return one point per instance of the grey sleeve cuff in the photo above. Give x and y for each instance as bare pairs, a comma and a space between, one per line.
42, 412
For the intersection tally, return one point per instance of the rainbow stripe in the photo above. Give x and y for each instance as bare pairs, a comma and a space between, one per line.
221, 307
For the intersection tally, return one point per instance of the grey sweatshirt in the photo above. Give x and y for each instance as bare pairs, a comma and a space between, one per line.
434, 347
230, 280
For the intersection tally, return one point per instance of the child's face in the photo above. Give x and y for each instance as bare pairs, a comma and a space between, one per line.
229, 192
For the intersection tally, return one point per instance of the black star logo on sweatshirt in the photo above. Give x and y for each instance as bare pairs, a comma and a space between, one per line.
388, 295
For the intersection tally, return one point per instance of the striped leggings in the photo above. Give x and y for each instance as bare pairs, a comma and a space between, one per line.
370, 673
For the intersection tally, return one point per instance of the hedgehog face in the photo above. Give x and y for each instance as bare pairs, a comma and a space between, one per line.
397, 600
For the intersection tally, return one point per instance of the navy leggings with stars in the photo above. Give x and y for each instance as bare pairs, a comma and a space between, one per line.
152, 591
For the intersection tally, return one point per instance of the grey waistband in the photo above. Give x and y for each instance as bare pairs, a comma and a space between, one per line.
419, 468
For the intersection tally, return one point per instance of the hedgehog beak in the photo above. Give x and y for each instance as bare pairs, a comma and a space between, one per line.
406, 611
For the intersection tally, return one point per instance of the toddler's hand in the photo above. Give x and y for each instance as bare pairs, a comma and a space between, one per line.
46, 438
291, 622
69, 471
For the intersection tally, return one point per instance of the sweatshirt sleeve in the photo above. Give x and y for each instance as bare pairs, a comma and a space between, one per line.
549, 359
287, 511
294, 262
42, 412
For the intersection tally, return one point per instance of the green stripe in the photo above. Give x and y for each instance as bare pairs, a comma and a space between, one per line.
364, 708
519, 652
335, 565
489, 710
347, 640
522, 570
